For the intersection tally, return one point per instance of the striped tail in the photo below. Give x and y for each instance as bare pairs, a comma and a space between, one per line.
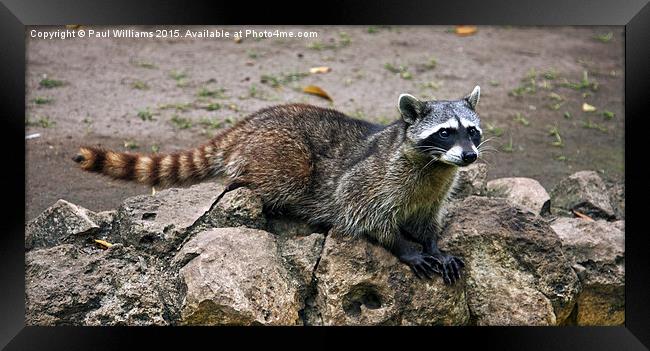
179, 168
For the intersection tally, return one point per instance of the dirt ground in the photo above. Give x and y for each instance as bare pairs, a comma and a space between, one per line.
141, 95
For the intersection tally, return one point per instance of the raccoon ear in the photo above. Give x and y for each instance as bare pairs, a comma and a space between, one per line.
410, 107
473, 97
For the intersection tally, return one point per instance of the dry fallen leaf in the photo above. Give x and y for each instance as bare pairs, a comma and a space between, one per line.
73, 26
153, 190
582, 215
104, 244
466, 30
314, 90
238, 40
588, 108
321, 69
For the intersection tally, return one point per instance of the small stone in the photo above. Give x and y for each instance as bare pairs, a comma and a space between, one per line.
471, 180
63, 222
584, 192
617, 198
525, 192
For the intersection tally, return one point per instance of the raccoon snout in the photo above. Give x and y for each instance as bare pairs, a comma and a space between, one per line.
469, 156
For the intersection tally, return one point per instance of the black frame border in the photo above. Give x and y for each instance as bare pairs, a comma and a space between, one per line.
16, 14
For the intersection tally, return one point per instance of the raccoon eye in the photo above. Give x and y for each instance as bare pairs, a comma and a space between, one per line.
472, 131
443, 133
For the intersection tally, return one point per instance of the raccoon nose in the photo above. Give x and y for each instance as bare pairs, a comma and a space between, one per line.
469, 156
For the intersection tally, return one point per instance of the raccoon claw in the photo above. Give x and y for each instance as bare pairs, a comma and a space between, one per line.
420, 265
432, 260
420, 272
449, 267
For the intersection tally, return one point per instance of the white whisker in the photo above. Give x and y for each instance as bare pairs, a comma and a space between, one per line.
428, 147
433, 159
484, 160
485, 141
487, 149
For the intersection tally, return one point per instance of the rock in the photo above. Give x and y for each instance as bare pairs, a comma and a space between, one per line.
105, 218
302, 254
289, 226
67, 285
597, 250
617, 198
525, 192
159, 223
61, 223
361, 283
584, 192
179, 259
234, 276
238, 207
516, 271
471, 180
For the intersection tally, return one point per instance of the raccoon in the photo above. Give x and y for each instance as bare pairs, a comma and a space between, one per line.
387, 183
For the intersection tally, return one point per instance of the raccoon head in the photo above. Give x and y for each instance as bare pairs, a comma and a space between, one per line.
448, 131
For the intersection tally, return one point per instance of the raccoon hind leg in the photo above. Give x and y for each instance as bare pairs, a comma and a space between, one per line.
281, 176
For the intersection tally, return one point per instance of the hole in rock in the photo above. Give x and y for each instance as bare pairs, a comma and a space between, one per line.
148, 216
147, 239
361, 295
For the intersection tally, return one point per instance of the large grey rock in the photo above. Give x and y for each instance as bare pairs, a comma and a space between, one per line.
525, 192
61, 223
70, 285
360, 283
234, 276
584, 192
471, 180
516, 271
160, 224
597, 250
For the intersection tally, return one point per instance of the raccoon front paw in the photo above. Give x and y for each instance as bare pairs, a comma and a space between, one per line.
448, 266
423, 265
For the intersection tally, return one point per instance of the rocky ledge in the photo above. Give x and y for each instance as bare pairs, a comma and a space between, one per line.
181, 258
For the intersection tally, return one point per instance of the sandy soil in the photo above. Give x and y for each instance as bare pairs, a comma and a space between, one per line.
107, 82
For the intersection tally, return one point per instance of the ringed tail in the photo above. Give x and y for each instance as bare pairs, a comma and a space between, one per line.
179, 168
